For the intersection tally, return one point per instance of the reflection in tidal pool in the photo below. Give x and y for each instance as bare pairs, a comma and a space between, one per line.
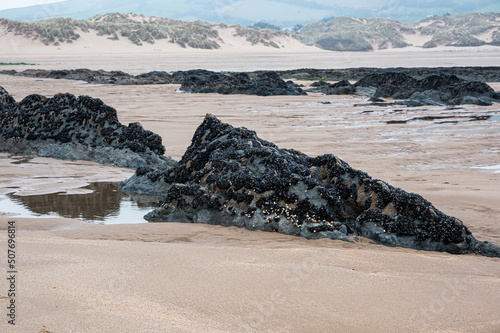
106, 204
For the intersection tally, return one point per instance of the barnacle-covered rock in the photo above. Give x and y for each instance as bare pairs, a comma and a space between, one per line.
229, 176
70, 127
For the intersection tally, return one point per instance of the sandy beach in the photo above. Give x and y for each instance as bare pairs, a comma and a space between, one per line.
76, 276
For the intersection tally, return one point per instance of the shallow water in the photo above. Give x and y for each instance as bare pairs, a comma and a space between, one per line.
106, 204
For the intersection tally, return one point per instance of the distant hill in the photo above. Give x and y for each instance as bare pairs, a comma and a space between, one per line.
338, 34
283, 13
474, 29
352, 34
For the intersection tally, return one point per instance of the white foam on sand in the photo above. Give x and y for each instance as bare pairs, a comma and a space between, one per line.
493, 168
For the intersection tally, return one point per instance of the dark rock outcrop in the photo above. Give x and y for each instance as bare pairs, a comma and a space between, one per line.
342, 87
435, 89
70, 127
229, 176
193, 81
470, 73
101, 76
442, 89
438, 87
390, 78
262, 84
432, 90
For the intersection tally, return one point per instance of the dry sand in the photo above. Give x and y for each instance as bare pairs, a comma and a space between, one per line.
80, 277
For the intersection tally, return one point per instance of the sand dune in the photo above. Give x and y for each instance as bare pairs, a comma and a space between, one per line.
92, 43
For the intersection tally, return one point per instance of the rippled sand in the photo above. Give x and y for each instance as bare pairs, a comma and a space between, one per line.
196, 278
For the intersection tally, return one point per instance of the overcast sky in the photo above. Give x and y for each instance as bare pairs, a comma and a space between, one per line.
6, 4
279, 12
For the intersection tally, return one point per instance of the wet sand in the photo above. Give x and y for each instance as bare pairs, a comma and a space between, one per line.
81, 277
247, 59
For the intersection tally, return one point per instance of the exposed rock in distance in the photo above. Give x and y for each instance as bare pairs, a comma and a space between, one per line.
470, 73
100, 76
229, 176
342, 87
262, 84
390, 78
442, 89
436, 89
193, 81
70, 127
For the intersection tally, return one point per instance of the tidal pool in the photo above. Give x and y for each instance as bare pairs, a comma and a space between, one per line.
106, 204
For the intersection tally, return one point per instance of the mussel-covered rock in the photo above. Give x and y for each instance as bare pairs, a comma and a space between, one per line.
231, 177
5, 98
70, 127
100, 76
262, 84
435, 89
469, 73
342, 87
439, 86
